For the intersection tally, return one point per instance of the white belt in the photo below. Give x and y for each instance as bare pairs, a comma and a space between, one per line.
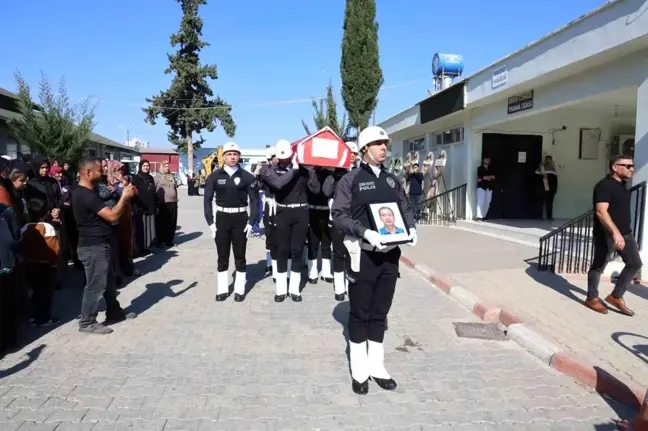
231, 210
292, 205
369, 247
319, 207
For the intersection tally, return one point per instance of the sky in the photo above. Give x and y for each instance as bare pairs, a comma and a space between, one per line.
272, 57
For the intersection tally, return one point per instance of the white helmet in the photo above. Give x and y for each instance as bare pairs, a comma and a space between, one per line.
352, 146
283, 149
270, 152
231, 146
370, 135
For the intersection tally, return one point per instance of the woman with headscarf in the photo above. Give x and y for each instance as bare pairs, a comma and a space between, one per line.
167, 219
120, 178
146, 207
41, 186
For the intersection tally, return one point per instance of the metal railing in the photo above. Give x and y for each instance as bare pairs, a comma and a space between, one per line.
570, 247
445, 208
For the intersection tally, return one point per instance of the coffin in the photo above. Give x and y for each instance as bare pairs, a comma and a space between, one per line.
323, 148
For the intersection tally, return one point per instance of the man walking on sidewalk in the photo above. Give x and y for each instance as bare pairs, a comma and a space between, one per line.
94, 221
612, 232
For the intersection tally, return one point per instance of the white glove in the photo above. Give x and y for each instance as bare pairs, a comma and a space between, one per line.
295, 165
248, 231
373, 238
212, 227
413, 238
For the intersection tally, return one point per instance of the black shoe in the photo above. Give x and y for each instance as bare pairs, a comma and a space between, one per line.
238, 297
280, 298
386, 384
112, 319
360, 388
328, 280
295, 298
221, 297
274, 280
339, 296
52, 321
312, 280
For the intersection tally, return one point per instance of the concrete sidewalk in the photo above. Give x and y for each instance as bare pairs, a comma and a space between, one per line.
503, 274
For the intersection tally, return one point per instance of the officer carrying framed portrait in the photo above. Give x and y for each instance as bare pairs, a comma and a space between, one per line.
388, 221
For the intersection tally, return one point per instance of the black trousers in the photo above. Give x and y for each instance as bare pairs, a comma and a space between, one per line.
371, 292
41, 278
269, 227
291, 231
319, 234
230, 229
339, 250
166, 223
549, 201
603, 250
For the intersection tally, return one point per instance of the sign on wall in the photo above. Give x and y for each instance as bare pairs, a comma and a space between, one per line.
520, 102
500, 76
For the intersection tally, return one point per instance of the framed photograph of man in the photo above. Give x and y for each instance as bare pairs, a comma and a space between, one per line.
388, 221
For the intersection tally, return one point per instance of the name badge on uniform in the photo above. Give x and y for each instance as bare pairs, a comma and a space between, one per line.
222, 182
237, 180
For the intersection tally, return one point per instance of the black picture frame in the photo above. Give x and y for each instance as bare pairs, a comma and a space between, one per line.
401, 232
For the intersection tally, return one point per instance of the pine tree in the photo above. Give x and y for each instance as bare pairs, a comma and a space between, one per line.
53, 127
360, 65
189, 105
328, 117
319, 117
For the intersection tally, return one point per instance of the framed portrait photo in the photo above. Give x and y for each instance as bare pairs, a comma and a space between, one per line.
388, 221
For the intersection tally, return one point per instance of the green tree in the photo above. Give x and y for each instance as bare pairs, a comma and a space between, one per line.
189, 106
53, 127
328, 117
319, 117
360, 64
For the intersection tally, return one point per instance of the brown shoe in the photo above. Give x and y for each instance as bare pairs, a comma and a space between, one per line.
619, 303
597, 305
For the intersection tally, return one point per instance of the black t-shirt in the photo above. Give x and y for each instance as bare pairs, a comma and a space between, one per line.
484, 184
618, 197
93, 230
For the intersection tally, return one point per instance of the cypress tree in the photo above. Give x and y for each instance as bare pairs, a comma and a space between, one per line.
360, 64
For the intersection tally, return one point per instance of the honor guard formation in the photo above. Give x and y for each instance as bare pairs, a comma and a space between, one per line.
353, 218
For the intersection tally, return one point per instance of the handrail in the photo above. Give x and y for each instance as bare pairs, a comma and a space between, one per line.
570, 247
442, 194
443, 209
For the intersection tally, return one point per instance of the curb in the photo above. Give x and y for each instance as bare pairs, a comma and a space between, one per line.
626, 391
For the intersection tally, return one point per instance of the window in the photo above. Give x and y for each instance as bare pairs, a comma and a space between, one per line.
448, 137
417, 144
92, 153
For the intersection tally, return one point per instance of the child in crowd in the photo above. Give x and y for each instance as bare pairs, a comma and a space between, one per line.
40, 250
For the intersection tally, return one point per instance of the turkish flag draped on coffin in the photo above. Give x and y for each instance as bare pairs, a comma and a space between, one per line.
323, 148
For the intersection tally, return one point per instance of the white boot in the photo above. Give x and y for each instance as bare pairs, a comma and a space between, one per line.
282, 283
339, 283
376, 358
312, 270
326, 269
274, 269
223, 286
295, 281
359, 361
239, 283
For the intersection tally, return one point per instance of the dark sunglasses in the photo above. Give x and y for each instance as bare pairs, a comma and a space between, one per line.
626, 165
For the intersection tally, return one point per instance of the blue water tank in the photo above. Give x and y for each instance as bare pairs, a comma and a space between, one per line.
447, 64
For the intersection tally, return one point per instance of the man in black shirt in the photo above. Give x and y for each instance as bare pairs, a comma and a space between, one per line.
484, 189
612, 232
94, 220
415, 181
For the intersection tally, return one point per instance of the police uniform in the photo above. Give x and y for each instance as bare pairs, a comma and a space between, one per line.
233, 189
337, 238
268, 217
319, 234
290, 183
372, 268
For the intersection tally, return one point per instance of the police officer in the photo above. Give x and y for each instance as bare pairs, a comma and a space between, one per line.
290, 183
319, 234
372, 269
269, 209
233, 189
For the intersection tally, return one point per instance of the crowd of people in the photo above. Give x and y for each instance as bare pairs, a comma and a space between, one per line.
45, 226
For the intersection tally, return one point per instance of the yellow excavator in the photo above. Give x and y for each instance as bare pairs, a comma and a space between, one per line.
207, 163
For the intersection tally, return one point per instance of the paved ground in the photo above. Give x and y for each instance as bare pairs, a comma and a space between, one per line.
189, 363
496, 271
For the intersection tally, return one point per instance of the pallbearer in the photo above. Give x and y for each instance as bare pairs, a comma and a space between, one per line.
319, 234
234, 190
373, 266
269, 210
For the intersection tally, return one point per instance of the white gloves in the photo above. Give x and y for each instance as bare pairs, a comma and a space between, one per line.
212, 227
248, 231
412, 237
373, 238
295, 165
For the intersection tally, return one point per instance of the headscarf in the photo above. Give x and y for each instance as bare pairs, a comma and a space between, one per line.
139, 169
55, 170
113, 168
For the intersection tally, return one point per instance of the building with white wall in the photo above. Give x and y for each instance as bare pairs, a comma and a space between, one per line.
579, 94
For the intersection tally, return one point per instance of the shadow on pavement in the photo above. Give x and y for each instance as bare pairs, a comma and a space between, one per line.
182, 237
32, 356
155, 261
154, 293
341, 315
255, 273
639, 350
557, 283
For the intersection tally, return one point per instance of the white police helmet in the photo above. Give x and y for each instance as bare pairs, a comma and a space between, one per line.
231, 146
370, 135
283, 149
352, 146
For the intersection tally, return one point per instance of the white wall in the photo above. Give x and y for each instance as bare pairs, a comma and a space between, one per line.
575, 177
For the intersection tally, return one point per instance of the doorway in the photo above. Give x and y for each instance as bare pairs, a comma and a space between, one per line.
514, 159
